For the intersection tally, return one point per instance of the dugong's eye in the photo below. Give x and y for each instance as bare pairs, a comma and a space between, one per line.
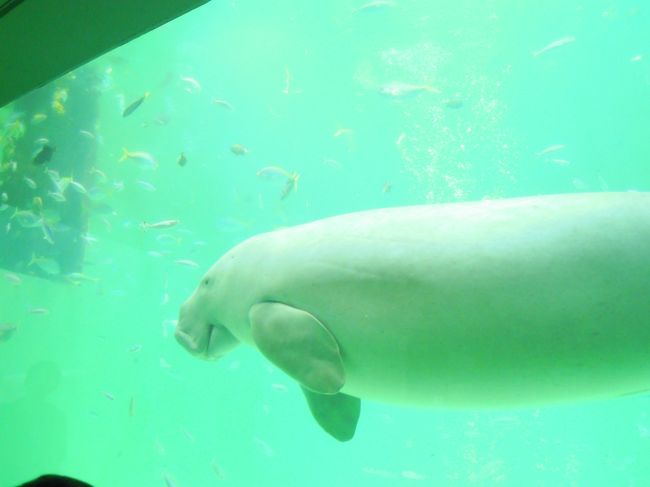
206, 281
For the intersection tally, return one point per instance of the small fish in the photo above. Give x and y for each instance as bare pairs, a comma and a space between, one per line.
159, 225
280, 387
168, 481
341, 131
54, 176
141, 157
186, 263
43, 155
222, 103
11, 166
217, 470
373, 6
78, 277
46, 264
401, 89
238, 150
58, 100
30, 182
387, 187
549, 149
132, 406
400, 138
78, 187
192, 82
409, 474
287, 81
135, 348
27, 218
101, 175
135, 105
269, 171
182, 159
38, 118
48, 234
39, 311
554, 45
189, 435
15, 129
87, 134
637, 58
58, 107
89, 239
37, 203
264, 446
147, 186
562, 162
108, 396
56, 196
6, 331
13, 278
291, 185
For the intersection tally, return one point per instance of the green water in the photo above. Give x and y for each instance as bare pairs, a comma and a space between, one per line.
98, 388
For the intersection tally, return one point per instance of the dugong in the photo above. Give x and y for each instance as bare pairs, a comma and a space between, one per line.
512, 302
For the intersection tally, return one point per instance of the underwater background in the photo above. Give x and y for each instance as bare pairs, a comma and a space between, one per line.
242, 117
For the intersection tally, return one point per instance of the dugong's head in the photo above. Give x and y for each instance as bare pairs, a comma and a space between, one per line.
199, 329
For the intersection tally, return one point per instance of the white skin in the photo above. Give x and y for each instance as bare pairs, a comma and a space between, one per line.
495, 303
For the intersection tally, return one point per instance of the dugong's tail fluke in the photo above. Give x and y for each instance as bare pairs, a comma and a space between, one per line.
337, 414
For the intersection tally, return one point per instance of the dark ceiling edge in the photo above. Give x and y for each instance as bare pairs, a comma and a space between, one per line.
14, 3
8, 6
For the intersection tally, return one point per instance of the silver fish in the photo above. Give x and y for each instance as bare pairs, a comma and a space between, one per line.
39, 311
549, 149
13, 278
554, 45
159, 225
374, 5
400, 89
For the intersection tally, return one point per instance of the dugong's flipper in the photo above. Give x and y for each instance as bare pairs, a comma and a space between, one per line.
335, 413
303, 347
299, 344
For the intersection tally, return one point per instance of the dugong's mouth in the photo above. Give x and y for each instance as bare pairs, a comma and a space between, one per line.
199, 347
186, 340
209, 346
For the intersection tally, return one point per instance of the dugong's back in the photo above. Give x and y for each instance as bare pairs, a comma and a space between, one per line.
492, 303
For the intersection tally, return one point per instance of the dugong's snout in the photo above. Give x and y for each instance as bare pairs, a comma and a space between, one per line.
201, 338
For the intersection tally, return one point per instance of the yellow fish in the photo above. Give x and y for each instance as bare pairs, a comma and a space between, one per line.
60, 97
38, 117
